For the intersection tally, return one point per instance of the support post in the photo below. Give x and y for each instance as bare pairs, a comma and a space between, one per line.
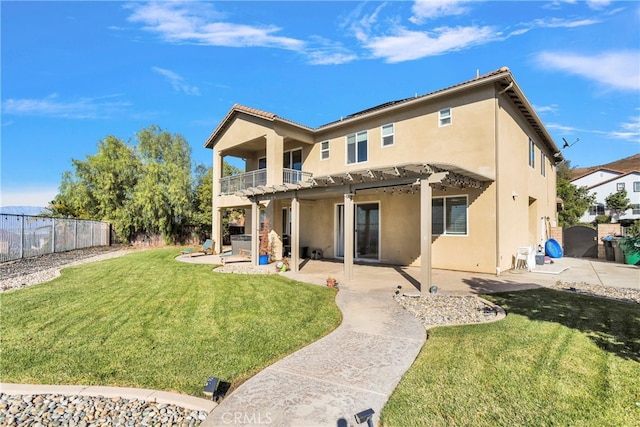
349, 231
295, 233
255, 234
425, 234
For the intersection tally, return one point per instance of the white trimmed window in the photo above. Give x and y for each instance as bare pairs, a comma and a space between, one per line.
620, 186
636, 186
532, 153
444, 117
324, 150
357, 148
387, 135
449, 216
543, 161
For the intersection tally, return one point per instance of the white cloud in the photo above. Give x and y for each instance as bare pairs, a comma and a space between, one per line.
196, 22
407, 45
553, 108
628, 130
616, 70
431, 9
83, 108
177, 82
563, 23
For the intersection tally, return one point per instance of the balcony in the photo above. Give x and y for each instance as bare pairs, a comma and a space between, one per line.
258, 178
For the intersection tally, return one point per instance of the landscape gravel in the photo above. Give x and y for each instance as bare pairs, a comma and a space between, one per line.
621, 294
81, 411
31, 271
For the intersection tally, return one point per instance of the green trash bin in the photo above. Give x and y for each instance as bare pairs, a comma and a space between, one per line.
631, 250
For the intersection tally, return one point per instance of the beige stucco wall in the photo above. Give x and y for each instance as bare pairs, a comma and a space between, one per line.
517, 200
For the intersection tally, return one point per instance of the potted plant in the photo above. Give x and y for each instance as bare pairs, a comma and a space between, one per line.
264, 243
331, 282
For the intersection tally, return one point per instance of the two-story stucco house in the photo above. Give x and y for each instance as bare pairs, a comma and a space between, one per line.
454, 179
603, 182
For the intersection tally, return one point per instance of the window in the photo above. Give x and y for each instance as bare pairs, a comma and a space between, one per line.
636, 186
620, 186
444, 117
293, 160
324, 150
543, 161
532, 153
449, 216
357, 147
635, 209
387, 135
262, 163
597, 209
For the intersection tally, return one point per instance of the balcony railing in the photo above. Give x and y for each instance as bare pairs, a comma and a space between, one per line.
257, 178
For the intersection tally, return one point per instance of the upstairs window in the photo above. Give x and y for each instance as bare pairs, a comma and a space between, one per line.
532, 153
357, 148
620, 186
444, 117
387, 135
636, 186
293, 160
324, 150
543, 166
262, 163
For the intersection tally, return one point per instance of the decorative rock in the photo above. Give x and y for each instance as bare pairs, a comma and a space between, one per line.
92, 411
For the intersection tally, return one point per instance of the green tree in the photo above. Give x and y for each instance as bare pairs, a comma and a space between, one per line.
617, 203
575, 200
163, 194
100, 187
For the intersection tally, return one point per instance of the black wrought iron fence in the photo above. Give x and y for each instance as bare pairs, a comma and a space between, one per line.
23, 236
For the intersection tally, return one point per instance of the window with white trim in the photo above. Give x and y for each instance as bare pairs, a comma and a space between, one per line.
357, 147
449, 216
444, 117
532, 153
324, 150
636, 186
597, 209
620, 186
387, 135
292, 159
635, 209
543, 161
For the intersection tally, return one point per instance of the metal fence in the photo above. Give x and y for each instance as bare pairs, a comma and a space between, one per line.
23, 236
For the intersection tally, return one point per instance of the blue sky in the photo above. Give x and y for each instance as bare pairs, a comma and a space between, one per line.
76, 72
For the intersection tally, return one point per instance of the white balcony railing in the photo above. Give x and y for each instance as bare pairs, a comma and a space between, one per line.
257, 178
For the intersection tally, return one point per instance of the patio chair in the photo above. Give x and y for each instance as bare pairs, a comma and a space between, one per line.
243, 255
207, 249
525, 258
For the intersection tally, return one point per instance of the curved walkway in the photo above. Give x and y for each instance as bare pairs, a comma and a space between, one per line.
354, 368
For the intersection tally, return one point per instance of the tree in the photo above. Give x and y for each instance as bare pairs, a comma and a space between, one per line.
100, 187
575, 200
617, 203
162, 195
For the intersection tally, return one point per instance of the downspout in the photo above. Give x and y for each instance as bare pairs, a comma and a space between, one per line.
497, 164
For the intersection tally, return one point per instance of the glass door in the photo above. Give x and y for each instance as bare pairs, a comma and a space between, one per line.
366, 231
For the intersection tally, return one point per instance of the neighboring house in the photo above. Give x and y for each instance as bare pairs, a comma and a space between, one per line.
604, 182
455, 179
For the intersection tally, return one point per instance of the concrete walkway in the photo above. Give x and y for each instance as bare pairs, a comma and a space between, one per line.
354, 368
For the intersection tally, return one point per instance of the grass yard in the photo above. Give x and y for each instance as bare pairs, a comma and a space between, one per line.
558, 359
147, 320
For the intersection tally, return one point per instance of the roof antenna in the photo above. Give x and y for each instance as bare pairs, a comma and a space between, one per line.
477, 73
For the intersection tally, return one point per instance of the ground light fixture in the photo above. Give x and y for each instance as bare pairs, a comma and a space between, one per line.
365, 416
211, 387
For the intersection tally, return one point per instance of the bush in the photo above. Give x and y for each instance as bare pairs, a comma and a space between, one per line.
603, 219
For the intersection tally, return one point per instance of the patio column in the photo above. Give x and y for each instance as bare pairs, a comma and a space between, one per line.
425, 234
275, 161
295, 233
216, 221
216, 233
255, 233
349, 232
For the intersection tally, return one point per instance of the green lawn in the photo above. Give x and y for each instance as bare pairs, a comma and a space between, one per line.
147, 320
558, 359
